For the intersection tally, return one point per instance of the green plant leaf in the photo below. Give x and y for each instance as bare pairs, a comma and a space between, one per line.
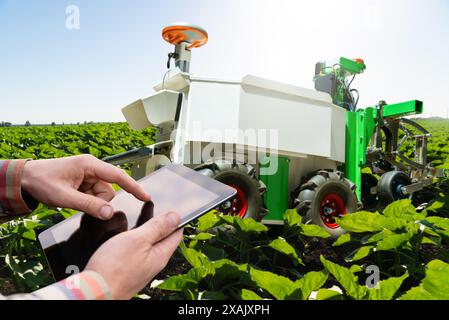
311, 281
199, 273
386, 289
249, 295
327, 294
202, 236
346, 278
213, 253
440, 204
284, 247
190, 294
212, 295
29, 272
440, 222
445, 165
249, 225
355, 268
434, 286
393, 224
195, 258
359, 253
278, 286
431, 240
437, 226
31, 224
292, 218
359, 222
343, 239
226, 270
402, 209
177, 283
228, 219
377, 236
367, 170
29, 234
393, 241
365, 221
208, 221
310, 230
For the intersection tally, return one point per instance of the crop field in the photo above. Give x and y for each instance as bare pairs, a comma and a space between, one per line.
399, 253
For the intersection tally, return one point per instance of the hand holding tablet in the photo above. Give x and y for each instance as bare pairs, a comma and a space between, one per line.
130, 260
173, 188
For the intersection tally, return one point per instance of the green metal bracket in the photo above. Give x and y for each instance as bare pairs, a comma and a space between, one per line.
276, 197
351, 66
360, 126
402, 109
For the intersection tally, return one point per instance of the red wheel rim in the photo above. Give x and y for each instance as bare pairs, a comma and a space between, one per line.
239, 205
332, 206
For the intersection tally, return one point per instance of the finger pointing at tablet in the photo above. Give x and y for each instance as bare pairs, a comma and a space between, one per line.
80, 182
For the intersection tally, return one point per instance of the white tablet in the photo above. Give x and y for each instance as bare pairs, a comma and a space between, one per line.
69, 244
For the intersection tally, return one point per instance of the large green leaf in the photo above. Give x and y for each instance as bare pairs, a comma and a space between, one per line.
440, 204
199, 273
393, 241
29, 234
311, 281
310, 230
226, 271
402, 209
434, 286
393, 224
213, 253
359, 222
177, 283
359, 253
327, 294
195, 258
227, 219
377, 236
436, 227
202, 236
440, 222
365, 221
343, 239
284, 247
386, 289
249, 225
292, 218
278, 286
346, 278
355, 268
249, 295
209, 221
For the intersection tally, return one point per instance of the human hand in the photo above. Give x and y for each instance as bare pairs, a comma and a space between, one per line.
131, 259
81, 182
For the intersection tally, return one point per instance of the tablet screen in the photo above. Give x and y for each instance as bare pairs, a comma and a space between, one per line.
70, 244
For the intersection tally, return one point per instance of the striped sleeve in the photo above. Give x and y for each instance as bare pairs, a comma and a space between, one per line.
87, 285
11, 200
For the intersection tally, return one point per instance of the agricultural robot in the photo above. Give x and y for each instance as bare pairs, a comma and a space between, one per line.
331, 158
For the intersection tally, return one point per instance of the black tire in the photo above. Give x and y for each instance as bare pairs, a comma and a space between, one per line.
250, 190
369, 182
389, 185
327, 190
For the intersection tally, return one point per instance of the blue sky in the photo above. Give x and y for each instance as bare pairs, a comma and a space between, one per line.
49, 73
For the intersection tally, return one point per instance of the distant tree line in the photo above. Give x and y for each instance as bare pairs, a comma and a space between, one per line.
29, 124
